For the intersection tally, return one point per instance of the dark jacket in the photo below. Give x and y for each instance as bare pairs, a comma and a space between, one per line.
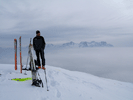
39, 43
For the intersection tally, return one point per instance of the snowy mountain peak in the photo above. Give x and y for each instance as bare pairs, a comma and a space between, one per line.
94, 44
83, 44
68, 44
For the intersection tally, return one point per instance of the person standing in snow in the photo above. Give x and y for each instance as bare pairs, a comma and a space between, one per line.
39, 46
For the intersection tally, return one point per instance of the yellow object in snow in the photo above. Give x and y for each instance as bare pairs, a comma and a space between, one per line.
22, 79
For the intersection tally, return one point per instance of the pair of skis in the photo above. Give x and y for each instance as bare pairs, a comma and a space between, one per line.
15, 49
33, 68
45, 79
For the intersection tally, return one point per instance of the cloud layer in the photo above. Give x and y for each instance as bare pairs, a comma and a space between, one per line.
113, 63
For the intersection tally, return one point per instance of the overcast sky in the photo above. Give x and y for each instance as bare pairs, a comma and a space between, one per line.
67, 20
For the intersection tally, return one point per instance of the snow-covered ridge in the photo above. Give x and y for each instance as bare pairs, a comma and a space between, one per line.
63, 85
82, 44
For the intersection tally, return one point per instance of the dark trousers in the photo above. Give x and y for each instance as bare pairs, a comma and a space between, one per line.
38, 54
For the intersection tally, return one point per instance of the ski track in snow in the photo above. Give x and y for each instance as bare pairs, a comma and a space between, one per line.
63, 85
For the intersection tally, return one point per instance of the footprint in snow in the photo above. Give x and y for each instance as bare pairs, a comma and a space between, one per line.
58, 94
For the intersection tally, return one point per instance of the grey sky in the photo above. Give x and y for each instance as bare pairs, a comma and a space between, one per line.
69, 20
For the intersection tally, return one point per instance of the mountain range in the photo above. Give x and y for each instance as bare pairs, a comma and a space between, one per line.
9, 52
82, 44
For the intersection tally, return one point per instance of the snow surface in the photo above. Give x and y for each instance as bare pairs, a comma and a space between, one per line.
63, 85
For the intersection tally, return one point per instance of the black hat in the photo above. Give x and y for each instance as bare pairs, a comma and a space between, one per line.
37, 31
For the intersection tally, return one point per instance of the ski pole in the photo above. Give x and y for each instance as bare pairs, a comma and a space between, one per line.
46, 79
28, 57
26, 64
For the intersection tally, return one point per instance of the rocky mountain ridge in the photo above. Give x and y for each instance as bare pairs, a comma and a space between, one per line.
81, 44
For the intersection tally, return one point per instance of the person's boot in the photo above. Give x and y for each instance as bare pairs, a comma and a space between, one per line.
43, 67
35, 83
39, 67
